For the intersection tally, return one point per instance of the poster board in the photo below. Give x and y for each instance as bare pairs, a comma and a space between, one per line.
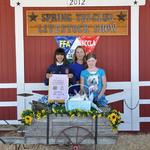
58, 88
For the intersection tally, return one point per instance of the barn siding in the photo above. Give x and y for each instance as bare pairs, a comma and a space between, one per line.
144, 62
145, 126
145, 42
7, 44
7, 59
144, 110
145, 92
8, 113
113, 53
8, 95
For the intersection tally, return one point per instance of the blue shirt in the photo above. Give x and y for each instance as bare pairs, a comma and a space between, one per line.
56, 69
93, 80
76, 69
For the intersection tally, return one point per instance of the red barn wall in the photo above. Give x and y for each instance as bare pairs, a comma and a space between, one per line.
7, 59
113, 53
144, 61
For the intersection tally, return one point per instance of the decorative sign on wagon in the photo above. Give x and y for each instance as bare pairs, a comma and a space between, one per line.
58, 88
76, 22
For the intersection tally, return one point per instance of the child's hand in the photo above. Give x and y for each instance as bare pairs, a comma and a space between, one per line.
48, 75
70, 75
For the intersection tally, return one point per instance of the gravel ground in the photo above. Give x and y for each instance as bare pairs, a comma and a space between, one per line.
125, 141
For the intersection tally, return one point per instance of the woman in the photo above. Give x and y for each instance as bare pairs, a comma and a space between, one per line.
77, 66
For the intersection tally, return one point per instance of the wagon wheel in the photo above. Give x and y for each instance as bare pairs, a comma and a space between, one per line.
74, 136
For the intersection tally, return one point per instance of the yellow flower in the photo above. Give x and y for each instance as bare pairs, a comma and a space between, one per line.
28, 120
113, 122
38, 115
115, 111
113, 117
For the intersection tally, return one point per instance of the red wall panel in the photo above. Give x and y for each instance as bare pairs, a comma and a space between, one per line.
39, 53
7, 43
118, 106
145, 92
8, 113
7, 58
144, 62
8, 95
144, 110
145, 42
113, 53
145, 126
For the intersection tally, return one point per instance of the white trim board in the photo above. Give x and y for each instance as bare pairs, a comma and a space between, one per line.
144, 83
8, 85
8, 104
144, 119
19, 42
74, 3
144, 101
2, 122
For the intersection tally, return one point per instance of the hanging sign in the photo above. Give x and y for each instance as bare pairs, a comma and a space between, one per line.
65, 42
68, 44
76, 22
88, 42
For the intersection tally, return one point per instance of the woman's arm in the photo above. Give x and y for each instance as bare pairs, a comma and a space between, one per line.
104, 82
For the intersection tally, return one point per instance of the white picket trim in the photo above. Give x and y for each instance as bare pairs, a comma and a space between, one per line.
144, 83
8, 104
144, 101
144, 119
8, 85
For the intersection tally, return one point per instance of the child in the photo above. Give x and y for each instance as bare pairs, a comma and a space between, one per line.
95, 79
59, 66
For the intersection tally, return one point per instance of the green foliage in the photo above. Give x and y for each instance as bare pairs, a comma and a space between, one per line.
113, 115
